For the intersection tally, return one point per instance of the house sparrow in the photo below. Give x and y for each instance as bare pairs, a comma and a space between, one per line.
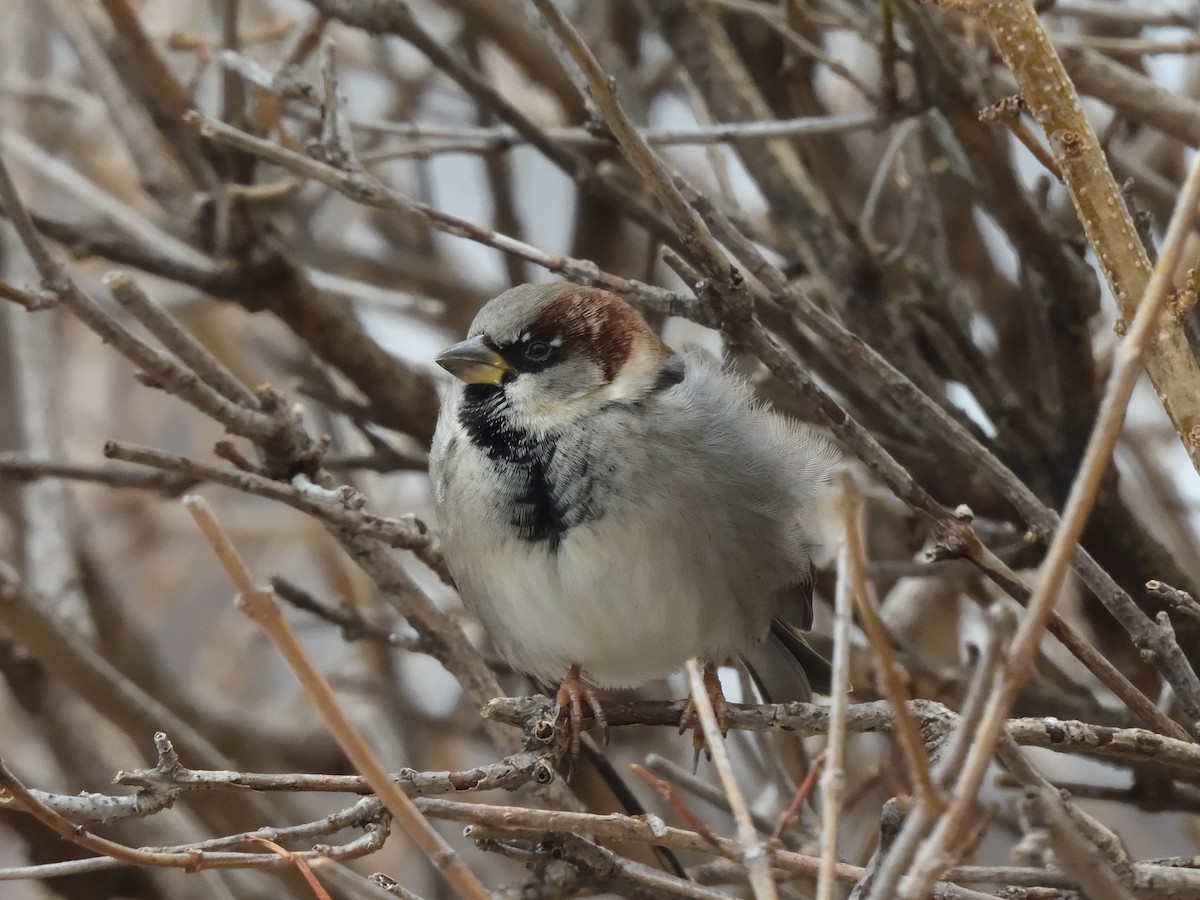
610, 507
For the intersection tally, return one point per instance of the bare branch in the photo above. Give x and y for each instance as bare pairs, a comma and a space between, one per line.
261, 605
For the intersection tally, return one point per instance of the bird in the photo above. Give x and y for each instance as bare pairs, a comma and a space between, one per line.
610, 507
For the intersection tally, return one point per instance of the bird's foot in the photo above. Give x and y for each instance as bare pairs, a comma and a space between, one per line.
572, 694
690, 719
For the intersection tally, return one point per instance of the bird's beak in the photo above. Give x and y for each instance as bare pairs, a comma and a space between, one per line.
474, 362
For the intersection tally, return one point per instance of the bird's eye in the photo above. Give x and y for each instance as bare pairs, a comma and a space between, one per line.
538, 351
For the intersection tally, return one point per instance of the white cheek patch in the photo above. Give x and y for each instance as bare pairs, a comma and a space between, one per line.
545, 401
635, 377
626, 386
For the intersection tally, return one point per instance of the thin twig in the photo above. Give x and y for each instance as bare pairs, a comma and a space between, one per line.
754, 853
18, 468
692, 229
696, 785
833, 780
191, 859
891, 673
1120, 746
341, 508
665, 791
937, 420
178, 340
1018, 660
430, 140
364, 188
1110, 229
260, 605
31, 300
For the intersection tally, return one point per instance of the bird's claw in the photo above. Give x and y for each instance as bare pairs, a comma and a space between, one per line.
689, 718
573, 693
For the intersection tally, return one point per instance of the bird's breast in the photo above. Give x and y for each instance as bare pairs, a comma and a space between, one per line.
540, 486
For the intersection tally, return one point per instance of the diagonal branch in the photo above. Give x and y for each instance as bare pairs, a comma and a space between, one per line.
1051, 97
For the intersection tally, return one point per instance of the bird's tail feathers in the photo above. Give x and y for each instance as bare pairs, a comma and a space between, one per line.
785, 668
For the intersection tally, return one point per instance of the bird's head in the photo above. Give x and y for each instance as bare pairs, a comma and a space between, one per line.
557, 353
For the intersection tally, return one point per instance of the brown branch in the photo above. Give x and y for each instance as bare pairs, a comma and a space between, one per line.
190, 858
159, 172
1123, 746
340, 508
1110, 229
425, 140
165, 96
697, 786
891, 673
364, 188
753, 853
1134, 95
1019, 658
170, 777
31, 300
261, 606
16, 468
351, 624
603, 92
178, 340
931, 416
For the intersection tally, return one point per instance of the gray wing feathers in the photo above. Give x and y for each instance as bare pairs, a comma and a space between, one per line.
756, 473
769, 473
